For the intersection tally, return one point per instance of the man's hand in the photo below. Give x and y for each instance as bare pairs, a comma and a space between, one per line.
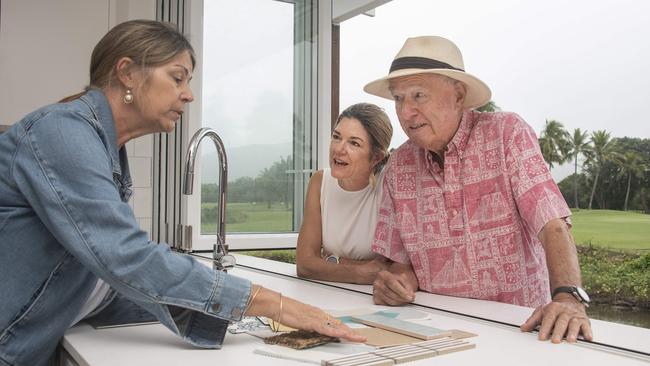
564, 317
396, 286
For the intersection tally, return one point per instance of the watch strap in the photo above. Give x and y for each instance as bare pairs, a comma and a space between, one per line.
573, 290
563, 289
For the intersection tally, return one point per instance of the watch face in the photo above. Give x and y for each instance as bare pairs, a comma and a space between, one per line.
583, 294
332, 258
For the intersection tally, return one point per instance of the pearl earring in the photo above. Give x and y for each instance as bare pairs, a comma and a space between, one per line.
128, 97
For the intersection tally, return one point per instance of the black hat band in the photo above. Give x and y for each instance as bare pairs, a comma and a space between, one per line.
419, 63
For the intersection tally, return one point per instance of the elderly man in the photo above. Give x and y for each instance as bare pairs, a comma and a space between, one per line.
469, 207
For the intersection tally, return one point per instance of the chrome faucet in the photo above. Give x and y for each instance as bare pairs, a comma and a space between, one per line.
221, 259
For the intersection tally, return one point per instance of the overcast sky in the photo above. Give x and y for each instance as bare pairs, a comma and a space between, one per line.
584, 63
248, 71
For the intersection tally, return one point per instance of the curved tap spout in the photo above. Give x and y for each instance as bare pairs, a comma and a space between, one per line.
222, 260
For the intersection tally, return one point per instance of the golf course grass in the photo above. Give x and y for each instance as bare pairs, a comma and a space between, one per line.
612, 229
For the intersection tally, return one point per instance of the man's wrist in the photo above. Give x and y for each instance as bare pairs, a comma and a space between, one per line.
576, 293
562, 297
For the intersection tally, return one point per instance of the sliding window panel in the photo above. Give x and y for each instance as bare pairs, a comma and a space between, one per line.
168, 213
260, 87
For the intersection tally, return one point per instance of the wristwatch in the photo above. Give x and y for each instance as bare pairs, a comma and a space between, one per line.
332, 259
578, 292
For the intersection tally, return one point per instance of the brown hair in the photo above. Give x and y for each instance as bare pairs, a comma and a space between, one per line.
377, 124
148, 43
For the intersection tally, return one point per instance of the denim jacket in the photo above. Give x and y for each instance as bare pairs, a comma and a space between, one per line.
65, 222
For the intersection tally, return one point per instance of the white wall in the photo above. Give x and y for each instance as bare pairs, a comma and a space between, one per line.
45, 49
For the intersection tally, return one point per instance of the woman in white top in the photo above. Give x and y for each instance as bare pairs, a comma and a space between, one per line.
342, 202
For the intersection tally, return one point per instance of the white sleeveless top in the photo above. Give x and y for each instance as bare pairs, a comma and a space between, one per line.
348, 218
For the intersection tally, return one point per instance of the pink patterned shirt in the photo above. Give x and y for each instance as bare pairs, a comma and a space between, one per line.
471, 229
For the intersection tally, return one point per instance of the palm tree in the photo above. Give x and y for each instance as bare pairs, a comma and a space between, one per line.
601, 149
631, 164
553, 143
578, 145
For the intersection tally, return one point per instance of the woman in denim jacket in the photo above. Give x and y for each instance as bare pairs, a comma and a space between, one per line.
71, 247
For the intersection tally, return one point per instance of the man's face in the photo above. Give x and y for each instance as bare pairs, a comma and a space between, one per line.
429, 108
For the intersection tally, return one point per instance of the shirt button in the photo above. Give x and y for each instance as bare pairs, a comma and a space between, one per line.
454, 212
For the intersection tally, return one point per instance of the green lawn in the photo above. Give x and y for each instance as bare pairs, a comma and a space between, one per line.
250, 217
604, 228
612, 229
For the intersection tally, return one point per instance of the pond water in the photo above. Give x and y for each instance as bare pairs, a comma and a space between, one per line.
620, 314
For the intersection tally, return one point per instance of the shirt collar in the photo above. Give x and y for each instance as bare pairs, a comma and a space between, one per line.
459, 141
464, 130
98, 103
96, 100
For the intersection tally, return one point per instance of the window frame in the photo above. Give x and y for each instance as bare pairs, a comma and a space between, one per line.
319, 133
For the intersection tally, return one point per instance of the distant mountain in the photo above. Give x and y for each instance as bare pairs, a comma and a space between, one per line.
244, 161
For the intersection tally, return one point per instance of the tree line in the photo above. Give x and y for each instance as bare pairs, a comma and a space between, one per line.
272, 184
609, 173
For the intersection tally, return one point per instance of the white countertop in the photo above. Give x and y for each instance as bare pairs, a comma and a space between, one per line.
496, 343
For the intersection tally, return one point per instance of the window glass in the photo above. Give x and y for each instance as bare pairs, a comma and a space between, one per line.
562, 66
248, 98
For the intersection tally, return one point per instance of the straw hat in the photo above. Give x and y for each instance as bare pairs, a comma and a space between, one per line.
435, 55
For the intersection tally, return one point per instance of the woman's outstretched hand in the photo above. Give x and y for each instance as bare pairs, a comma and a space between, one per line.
296, 314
